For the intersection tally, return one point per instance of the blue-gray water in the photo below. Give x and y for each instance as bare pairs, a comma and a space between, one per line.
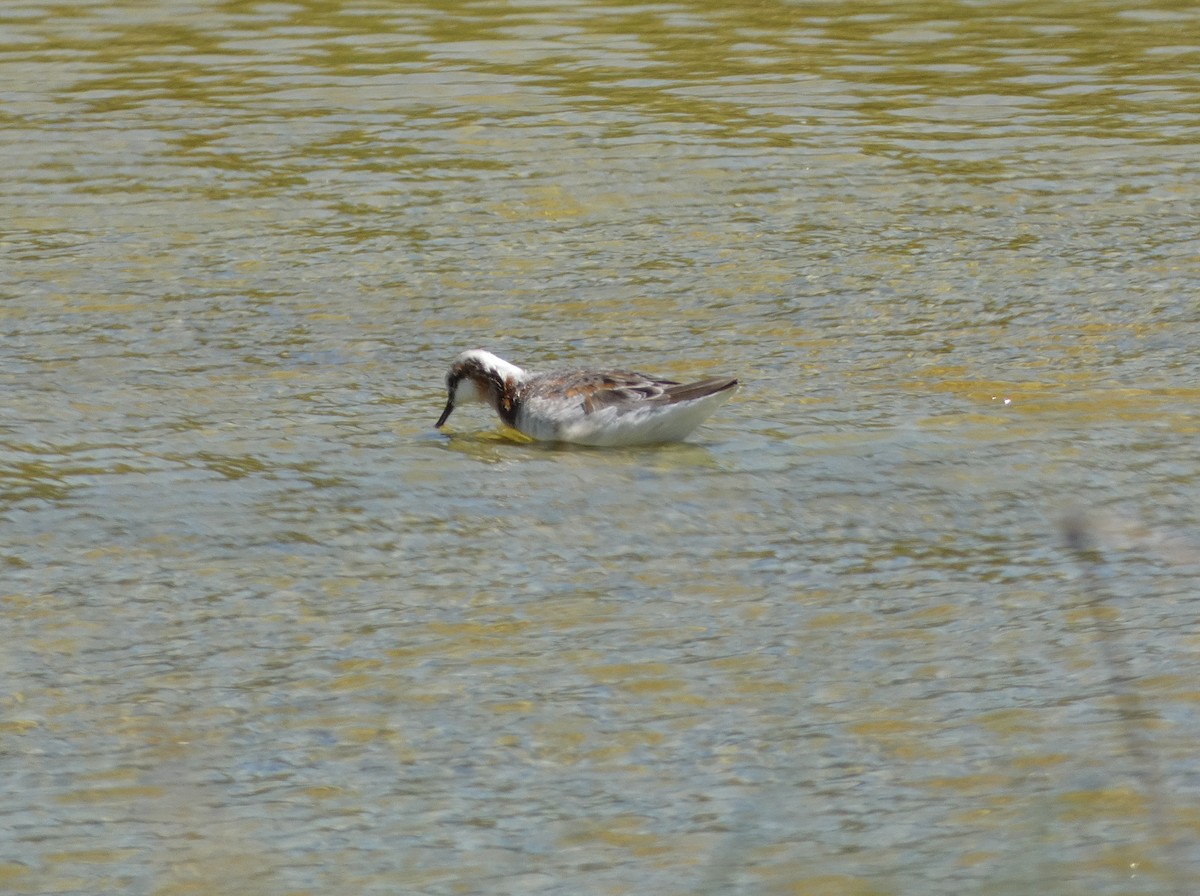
266, 631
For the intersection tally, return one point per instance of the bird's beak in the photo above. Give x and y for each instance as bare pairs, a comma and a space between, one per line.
445, 413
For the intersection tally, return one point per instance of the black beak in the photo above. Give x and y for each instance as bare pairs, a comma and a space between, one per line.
445, 413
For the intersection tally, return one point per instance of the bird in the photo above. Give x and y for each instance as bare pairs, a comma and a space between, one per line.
604, 408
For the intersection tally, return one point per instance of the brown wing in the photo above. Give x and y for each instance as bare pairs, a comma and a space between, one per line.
630, 390
701, 389
626, 388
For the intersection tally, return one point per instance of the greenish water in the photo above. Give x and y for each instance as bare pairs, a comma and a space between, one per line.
266, 631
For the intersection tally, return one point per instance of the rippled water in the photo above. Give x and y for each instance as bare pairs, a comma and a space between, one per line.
266, 631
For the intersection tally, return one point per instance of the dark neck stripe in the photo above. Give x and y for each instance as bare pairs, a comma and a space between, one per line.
507, 403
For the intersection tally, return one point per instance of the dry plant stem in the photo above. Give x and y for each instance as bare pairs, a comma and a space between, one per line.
1082, 540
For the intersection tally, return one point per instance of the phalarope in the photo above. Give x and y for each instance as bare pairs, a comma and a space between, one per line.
588, 407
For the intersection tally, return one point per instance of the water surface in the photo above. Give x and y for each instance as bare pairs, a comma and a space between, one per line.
268, 632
